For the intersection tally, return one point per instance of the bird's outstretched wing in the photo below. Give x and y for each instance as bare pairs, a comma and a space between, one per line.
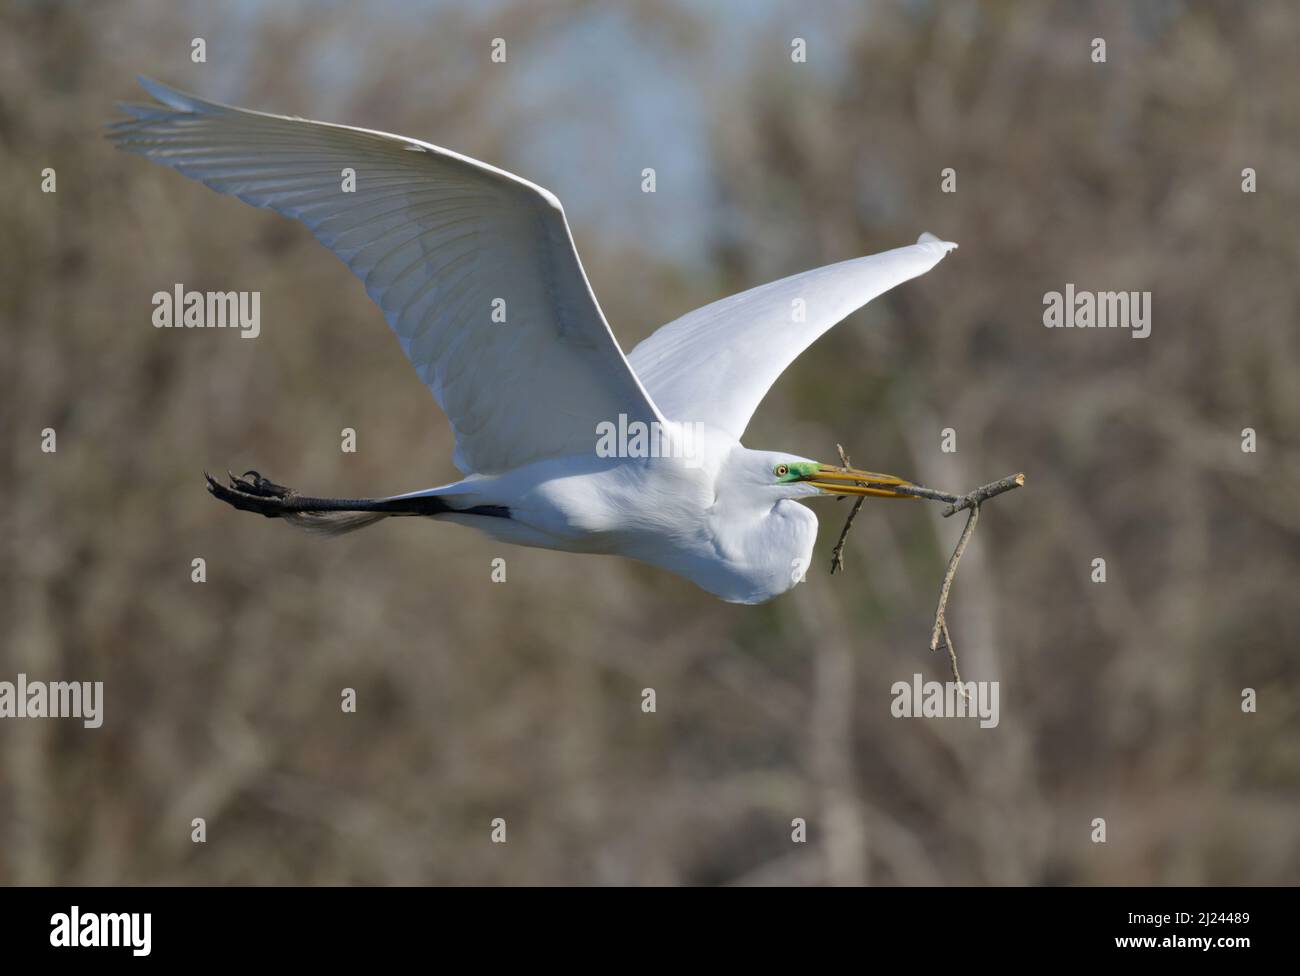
715, 364
437, 238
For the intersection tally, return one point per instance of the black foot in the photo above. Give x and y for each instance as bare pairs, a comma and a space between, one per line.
255, 494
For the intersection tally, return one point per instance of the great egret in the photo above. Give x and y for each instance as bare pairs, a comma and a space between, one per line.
442, 242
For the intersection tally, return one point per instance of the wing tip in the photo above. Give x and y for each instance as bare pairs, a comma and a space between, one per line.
928, 238
167, 103
165, 95
175, 99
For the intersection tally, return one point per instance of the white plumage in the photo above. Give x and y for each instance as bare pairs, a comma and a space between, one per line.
441, 241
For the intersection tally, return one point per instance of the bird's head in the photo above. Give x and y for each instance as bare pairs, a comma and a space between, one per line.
758, 543
795, 477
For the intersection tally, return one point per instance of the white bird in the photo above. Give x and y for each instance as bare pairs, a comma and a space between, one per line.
536, 402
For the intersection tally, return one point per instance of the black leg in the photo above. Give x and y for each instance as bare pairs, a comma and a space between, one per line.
253, 493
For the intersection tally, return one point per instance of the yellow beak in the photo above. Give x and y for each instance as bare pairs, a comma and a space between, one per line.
851, 481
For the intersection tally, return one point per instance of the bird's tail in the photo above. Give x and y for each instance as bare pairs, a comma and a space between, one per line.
333, 523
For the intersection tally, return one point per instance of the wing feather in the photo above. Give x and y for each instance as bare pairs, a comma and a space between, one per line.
714, 365
435, 237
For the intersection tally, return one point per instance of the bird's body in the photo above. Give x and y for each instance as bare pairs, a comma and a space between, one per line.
476, 272
709, 522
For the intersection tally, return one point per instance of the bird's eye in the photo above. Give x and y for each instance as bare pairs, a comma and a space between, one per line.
782, 470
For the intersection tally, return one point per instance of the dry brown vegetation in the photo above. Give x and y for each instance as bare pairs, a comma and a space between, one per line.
479, 700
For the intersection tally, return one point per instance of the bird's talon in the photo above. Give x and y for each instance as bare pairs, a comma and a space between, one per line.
257, 486
258, 495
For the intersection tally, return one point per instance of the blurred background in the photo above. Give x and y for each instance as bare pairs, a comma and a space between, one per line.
522, 700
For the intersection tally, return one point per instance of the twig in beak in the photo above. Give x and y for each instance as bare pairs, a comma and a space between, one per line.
974, 499
837, 554
952, 660
940, 615
956, 503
